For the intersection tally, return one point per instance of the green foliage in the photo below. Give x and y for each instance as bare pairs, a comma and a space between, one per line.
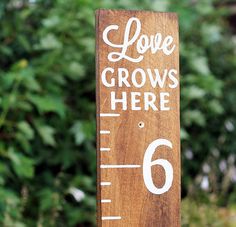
47, 124
196, 214
47, 108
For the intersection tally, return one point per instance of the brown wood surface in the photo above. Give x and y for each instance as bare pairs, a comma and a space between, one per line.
130, 198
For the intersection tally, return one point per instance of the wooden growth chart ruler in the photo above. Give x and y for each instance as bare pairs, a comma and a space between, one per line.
138, 126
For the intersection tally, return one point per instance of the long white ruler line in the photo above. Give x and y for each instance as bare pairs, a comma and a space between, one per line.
109, 115
119, 166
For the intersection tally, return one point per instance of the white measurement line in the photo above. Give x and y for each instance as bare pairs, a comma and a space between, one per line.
119, 166
111, 218
105, 149
105, 183
106, 201
109, 115
105, 132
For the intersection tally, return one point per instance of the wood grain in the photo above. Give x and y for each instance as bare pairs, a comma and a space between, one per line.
127, 141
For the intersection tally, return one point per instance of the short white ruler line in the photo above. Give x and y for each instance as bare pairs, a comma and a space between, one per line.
105, 183
106, 201
105, 132
111, 218
105, 149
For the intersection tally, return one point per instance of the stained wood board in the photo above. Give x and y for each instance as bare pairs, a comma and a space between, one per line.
138, 122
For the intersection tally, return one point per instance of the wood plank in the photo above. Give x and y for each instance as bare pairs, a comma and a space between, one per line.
138, 136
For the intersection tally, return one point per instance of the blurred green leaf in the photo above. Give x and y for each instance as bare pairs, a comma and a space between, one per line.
49, 42
48, 103
47, 134
83, 130
26, 129
194, 117
22, 165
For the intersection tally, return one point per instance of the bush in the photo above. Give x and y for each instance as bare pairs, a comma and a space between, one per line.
47, 114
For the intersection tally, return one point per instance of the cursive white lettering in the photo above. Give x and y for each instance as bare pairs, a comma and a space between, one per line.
143, 43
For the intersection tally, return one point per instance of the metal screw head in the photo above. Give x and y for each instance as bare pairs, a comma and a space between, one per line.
141, 124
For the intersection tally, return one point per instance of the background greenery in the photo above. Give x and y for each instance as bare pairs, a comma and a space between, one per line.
47, 111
